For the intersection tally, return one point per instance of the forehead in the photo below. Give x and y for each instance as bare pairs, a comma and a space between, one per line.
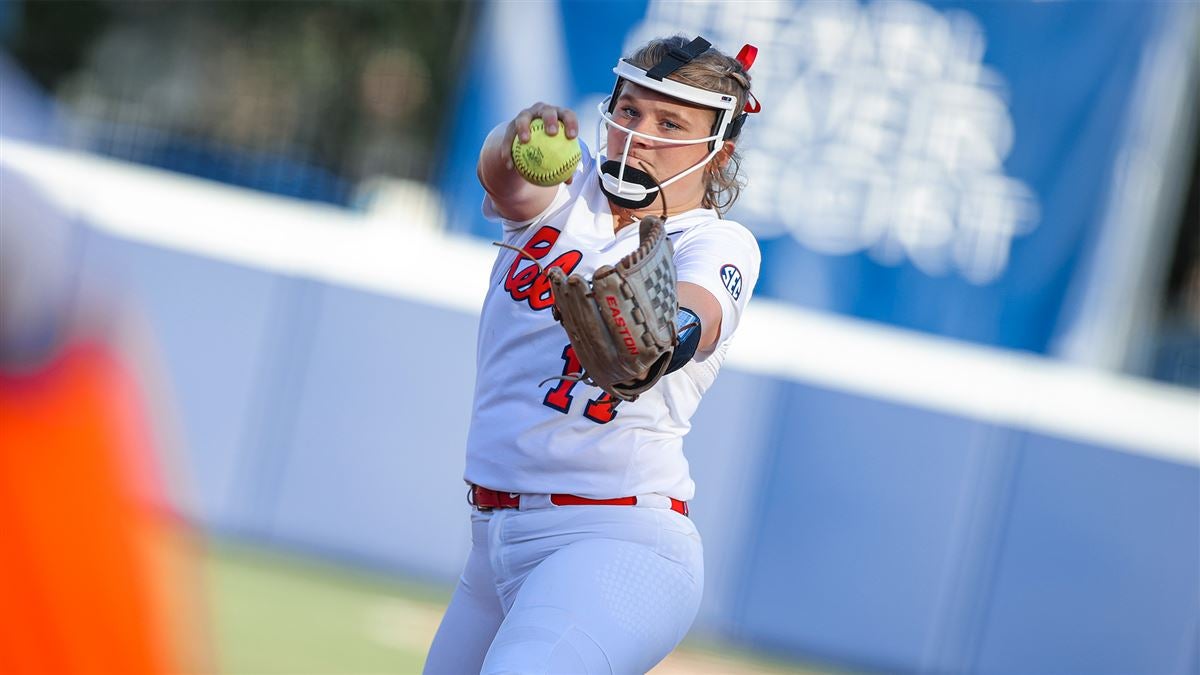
648, 97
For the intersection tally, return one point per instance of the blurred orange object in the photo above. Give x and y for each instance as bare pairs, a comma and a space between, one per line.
78, 588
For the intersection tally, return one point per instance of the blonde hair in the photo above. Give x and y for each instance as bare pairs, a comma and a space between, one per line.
717, 72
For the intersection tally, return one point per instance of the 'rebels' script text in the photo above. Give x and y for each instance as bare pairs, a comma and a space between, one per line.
530, 283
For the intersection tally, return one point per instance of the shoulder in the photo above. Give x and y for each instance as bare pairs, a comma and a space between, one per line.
704, 229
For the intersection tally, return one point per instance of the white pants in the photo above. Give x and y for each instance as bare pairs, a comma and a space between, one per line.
571, 589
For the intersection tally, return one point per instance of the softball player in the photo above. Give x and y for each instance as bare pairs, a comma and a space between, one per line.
583, 558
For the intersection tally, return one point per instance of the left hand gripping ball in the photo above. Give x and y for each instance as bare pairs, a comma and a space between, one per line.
545, 160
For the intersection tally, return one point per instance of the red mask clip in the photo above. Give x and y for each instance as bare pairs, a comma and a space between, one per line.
746, 58
747, 55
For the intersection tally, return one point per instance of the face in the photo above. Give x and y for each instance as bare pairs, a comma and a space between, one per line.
649, 112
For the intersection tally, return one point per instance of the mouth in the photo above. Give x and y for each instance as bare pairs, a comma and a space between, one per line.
634, 160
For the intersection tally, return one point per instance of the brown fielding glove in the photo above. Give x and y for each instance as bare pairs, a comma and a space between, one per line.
622, 325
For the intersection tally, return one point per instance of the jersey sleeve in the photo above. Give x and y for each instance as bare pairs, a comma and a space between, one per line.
723, 258
566, 193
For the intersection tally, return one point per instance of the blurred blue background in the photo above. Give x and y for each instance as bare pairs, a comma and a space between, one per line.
959, 431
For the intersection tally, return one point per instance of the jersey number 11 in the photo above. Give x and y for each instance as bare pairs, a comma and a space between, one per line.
600, 410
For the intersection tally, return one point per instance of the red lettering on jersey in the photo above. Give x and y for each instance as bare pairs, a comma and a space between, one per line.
600, 410
528, 283
559, 397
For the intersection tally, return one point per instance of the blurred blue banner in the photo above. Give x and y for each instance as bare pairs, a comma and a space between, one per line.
940, 166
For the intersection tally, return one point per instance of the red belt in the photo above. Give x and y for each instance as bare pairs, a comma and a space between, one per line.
486, 500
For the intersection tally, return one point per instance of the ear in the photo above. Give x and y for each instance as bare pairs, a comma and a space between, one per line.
722, 157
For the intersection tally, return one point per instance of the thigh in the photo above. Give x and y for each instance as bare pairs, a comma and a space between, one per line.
598, 606
473, 616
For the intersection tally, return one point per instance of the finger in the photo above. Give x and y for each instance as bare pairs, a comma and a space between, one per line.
521, 124
550, 120
570, 122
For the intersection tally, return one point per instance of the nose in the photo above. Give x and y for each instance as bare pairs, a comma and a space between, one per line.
638, 141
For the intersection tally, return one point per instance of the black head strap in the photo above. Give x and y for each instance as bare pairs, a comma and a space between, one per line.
678, 57
735, 127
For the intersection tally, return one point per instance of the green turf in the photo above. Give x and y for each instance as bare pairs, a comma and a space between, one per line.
279, 614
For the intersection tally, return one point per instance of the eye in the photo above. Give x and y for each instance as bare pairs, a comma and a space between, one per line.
671, 126
628, 112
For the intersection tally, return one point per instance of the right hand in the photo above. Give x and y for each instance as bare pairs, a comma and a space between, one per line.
551, 117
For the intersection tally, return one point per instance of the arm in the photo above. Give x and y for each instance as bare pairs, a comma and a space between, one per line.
515, 198
704, 305
717, 268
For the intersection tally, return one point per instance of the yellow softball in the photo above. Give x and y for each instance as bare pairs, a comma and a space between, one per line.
545, 160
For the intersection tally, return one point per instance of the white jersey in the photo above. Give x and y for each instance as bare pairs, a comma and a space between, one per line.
566, 437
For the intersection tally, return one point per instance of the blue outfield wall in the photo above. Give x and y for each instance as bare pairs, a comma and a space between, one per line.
899, 539
375, 457
865, 505
861, 532
213, 324
1106, 547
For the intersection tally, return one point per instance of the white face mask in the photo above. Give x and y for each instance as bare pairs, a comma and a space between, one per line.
629, 186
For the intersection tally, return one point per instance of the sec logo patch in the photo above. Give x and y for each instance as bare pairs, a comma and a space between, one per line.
732, 278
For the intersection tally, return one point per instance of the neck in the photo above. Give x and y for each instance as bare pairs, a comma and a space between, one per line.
623, 216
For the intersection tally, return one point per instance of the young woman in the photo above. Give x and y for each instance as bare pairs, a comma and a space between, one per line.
583, 557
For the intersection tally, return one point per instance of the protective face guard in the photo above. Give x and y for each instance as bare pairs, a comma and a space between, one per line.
616, 177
